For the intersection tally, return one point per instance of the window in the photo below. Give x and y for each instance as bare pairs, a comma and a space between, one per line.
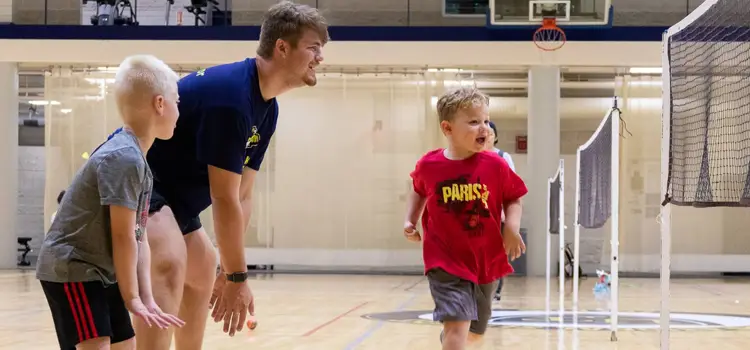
473, 8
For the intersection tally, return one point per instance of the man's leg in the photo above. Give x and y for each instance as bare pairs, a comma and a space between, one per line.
168, 265
201, 274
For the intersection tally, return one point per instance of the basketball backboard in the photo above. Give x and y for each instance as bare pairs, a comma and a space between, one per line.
525, 13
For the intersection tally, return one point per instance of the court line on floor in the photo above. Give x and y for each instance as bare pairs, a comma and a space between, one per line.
408, 289
355, 308
368, 333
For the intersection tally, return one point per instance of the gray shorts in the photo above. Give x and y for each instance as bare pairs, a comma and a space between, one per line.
457, 299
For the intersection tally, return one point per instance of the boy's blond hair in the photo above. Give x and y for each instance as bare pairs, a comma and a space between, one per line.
141, 77
288, 21
456, 99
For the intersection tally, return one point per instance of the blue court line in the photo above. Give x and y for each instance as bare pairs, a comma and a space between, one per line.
368, 333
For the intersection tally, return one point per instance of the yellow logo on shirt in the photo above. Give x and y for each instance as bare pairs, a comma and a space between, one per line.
252, 141
200, 72
458, 192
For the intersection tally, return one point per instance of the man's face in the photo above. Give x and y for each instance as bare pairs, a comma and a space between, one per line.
490, 143
469, 130
305, 58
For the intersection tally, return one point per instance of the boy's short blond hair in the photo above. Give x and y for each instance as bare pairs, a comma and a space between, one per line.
141, 77
460, 98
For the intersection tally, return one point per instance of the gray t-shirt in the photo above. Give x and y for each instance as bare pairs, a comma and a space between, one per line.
78, 246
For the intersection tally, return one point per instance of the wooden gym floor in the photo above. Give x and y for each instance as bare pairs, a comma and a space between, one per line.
325, 312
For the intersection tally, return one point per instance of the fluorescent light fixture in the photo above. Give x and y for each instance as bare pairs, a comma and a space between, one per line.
446, 70
43, 103
645, 70
65, 110
100, 80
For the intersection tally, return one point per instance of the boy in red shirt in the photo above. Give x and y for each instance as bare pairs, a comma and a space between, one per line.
462, 191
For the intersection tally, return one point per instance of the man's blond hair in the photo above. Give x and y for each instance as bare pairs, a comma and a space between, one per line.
140, 78
289, 21
454, 100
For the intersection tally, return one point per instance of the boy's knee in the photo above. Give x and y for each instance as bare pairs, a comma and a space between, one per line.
100, 343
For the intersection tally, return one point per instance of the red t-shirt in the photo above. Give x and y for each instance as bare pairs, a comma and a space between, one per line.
461, 219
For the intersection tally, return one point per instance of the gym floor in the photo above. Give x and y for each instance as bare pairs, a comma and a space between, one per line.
332, 312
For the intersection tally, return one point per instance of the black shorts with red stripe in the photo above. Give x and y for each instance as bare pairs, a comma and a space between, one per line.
87, 310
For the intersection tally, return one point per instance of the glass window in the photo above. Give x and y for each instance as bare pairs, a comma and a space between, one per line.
466, 7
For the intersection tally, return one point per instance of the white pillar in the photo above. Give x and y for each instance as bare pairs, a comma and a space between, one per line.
9, 160
543, 159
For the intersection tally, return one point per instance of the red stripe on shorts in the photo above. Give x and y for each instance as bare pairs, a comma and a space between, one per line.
73, 310
87, 307
81, 315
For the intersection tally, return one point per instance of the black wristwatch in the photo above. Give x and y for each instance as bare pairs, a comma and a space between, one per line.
237, 277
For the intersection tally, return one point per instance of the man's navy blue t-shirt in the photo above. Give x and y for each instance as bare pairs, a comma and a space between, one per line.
224, 122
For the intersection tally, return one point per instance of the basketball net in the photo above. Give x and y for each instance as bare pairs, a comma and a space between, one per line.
549, 37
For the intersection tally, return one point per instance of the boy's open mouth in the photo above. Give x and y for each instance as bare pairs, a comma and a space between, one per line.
481, 140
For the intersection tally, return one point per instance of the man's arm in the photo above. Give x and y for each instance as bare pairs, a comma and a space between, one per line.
246, 191
229, 220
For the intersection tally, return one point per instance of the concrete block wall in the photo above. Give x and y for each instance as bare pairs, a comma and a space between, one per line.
31, 179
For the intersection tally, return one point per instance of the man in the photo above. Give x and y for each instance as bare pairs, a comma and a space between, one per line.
492, 147
228, 114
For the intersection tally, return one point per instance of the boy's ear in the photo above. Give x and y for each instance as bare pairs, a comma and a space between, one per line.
446, 127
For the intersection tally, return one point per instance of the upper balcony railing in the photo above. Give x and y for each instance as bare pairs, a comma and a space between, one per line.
392, 13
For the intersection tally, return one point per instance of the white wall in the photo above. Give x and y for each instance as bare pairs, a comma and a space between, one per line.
6, 11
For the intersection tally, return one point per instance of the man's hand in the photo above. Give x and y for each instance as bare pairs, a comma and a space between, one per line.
235, 303
151, 314
514, 246
411, 233
221, 280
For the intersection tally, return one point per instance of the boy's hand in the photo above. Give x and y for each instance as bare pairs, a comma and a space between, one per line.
411, 233
151, 314
514, 246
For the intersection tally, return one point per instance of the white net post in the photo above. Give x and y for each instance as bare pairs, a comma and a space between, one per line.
666, 211
561, 229
556, 225
615, 221
597, 197
547, 273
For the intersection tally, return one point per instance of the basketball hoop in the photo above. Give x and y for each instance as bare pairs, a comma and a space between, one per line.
549, 37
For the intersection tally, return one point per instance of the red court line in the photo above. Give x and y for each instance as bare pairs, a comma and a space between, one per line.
310, 332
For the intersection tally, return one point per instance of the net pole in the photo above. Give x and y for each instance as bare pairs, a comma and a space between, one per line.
615, 220
665, 213
549, 249
561, 232
576, 236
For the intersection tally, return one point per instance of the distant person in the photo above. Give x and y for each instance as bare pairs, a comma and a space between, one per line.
59, 200
94, 264
460, 192
492, 147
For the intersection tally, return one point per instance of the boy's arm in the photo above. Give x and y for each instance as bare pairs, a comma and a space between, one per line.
416, 199
144, 271
120, 178
125, 250
246, 191
414, 207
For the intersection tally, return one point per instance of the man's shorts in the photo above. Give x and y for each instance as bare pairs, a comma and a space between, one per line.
161, 197
86, 310
457, 299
